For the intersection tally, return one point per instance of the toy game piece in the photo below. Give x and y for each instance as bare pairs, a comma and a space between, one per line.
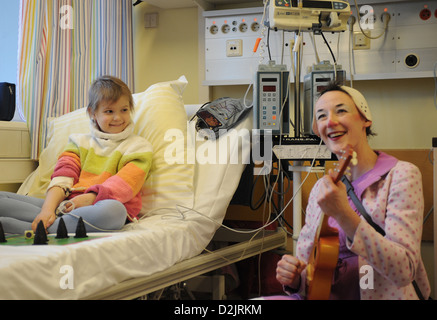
61, 233
29, 234
2, 234
80, 229
40, 234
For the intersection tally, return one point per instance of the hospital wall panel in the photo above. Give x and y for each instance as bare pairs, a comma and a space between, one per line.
407, 33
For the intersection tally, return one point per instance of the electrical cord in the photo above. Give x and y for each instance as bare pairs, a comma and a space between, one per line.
268, 44
351, 23
361, 29
329, 47
182, 214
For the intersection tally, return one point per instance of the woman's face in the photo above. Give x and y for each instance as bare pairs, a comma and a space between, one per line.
339, 122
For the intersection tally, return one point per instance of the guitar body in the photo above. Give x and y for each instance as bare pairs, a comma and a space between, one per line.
324, 256
322, 263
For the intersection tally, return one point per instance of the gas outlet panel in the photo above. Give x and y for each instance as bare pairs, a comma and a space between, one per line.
407, 48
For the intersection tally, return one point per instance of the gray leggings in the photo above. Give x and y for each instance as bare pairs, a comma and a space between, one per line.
17, 213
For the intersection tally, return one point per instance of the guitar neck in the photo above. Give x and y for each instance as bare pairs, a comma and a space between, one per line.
343, 164
344, 160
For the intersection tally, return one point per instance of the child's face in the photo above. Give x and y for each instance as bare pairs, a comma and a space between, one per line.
113, 117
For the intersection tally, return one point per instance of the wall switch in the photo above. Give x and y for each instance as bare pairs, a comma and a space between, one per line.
151, 20
234, 48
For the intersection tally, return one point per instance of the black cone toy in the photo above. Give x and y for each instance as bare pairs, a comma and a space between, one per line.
80, 229
40, 235
2, 234
61, 233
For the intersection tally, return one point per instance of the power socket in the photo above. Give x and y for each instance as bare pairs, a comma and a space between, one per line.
361, 42
234, 48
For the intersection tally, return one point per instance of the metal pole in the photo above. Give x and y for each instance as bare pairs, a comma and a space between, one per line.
297, 202
297, 70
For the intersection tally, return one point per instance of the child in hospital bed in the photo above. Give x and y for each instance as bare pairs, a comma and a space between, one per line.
97, 177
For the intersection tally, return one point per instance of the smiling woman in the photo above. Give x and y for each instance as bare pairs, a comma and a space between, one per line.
342, 118
358, 100
391, 193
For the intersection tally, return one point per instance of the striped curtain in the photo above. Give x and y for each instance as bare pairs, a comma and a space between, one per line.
63, 46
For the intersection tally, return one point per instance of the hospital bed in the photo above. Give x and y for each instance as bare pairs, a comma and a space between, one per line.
184, 203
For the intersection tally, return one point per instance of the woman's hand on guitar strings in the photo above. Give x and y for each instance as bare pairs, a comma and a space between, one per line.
333, 201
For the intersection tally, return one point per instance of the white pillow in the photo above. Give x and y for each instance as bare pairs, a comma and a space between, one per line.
159, 114
57, 136
157, 110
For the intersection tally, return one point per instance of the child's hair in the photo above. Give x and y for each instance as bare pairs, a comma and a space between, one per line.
110, 89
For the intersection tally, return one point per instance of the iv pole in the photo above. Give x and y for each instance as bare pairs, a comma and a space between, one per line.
297, 165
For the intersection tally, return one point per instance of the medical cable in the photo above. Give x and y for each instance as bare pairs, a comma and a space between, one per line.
245, 96
332, 54
351, 23
313, 41
261, 41
295, 192
385, 27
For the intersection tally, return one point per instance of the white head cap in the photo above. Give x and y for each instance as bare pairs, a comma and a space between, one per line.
360, 102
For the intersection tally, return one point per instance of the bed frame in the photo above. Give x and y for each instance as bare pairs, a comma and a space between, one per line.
244, 246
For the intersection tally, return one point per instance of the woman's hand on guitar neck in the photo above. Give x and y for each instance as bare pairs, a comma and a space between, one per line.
288, 271
332, 199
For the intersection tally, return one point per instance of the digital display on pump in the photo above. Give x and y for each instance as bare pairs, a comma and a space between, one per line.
269, 88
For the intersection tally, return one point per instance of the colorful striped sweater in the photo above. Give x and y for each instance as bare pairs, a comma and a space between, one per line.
114, 166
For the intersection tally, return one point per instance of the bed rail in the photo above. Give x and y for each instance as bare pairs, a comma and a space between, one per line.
246, 247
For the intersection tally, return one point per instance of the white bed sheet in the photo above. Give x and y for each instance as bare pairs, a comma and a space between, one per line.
154, 244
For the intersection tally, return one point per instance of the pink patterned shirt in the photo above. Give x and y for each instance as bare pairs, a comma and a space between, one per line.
392, 195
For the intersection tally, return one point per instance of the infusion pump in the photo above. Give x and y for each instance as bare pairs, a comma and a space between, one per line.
271, 102
304, 15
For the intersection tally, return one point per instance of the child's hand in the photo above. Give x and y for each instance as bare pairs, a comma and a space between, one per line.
83, 200
47, 217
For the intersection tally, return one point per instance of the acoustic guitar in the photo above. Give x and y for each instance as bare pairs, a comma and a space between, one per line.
324, 256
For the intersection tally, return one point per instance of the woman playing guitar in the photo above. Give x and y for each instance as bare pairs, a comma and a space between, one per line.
370, 265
